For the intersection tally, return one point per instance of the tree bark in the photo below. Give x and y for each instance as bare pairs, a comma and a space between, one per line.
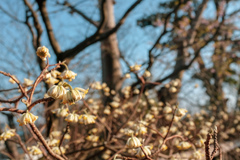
110, 55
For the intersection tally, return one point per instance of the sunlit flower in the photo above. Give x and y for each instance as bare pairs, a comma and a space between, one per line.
43, 53
196, 155
181, 112
56, 92
87, 119
146, 74
55, 73
127, 131
164, 147
140, 153
55, 134
8, 133
12, 81
27, 82
53, 142
92, 138
127, 75
167, 110
34, 150
114, 104
27, 118
184, 145
141, 130
74, 95
51, 80
133, 142
136, 67
72, 117
57, 150
61, 112
67, 74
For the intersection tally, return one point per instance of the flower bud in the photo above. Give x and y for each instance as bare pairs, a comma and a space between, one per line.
43, 53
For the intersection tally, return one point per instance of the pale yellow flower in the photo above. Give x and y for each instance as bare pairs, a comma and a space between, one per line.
136, 67
127, 75
57, 150
8, 133
184, 145
146, 74
12, 81
27, 82
51, 80
92, 138
133, 142
53, 142
27, 118
140, 153
72, 117
34, 150
55, 73
74, 95
43, 53
56, 92
141, 130
87, 119
67, 74
61, 112
55, 134
167, 110
180, 112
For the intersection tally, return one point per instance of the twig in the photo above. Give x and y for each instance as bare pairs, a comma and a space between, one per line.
40, 137
22, 145
61, 141
207, 146
19, 85
145, 153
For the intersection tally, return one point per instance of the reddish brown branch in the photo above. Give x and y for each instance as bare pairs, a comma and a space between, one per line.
42, 140
12, 110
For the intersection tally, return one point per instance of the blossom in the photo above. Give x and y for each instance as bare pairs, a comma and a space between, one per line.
27, 118
87, 119
43, 53
74, 95
92, 138
141, 130
56, 91
12, 81
167, 110
133, 142
114, 104
181, 112
57, 150
140, 153
72, 117
8, 133
184, 146
136, 67
55, 73
51, 80
127, 75
146, 74
34, 150
67, 74
53, 142
27, 82
61, 112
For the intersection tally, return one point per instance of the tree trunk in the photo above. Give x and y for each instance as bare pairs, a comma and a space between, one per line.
110, 55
